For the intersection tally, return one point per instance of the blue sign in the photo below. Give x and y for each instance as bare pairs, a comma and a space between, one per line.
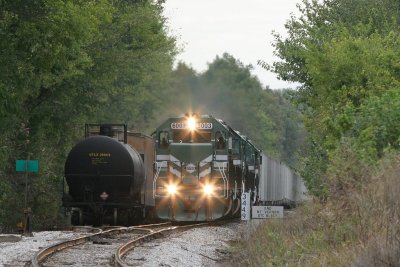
20, 165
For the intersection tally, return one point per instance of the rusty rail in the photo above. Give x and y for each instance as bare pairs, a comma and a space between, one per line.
122, 250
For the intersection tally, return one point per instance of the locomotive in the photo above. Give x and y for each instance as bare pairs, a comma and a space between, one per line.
202, 166
192, 168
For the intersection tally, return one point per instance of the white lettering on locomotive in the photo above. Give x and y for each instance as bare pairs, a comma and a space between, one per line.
178, 125
200, 125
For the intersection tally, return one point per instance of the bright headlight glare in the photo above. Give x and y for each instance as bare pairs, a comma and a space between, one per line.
208, 189
192, 123
171, 189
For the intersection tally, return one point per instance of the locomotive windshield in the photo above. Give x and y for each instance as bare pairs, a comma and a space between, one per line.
182, 136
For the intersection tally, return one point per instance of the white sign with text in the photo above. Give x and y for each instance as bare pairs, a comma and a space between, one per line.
245, 206
263, 212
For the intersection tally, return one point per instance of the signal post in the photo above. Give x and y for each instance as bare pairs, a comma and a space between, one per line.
27, 166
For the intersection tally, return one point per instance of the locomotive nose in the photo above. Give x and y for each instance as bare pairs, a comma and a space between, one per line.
189, 180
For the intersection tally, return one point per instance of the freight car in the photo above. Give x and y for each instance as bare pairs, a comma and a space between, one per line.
202, 166
106, 176
279, 185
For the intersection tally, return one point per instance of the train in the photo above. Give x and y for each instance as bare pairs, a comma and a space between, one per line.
191, 168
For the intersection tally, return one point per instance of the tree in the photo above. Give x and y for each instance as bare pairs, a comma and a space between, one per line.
133, 68
344, 54
179, 98
227, 90
66, 62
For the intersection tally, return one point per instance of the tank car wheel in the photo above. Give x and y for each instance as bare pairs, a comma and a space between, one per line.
120, 216
76, 217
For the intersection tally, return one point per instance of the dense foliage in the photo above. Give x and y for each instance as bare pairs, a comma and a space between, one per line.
345, 55
227, 90
64, 63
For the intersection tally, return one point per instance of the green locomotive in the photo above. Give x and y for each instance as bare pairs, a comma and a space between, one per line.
202, 166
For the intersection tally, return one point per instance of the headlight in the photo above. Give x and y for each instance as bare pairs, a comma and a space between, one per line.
208, 189
191, 123
171, 189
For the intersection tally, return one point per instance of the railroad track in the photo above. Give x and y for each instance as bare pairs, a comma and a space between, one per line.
104, 247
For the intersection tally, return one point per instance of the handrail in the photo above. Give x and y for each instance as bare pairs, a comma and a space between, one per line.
158, 170
223, 174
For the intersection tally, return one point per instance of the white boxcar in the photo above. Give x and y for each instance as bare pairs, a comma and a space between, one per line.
279, 185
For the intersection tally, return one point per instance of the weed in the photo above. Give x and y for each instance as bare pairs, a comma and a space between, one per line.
359, 225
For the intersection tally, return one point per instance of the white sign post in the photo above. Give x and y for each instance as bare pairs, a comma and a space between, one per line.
245, 206
262, 212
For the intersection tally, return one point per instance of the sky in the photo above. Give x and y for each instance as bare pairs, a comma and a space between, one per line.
207, 28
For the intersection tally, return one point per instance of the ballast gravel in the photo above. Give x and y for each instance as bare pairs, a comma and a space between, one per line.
196, 247
205, 246
21, 252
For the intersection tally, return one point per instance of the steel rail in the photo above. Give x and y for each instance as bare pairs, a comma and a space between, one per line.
42, 254
123, 249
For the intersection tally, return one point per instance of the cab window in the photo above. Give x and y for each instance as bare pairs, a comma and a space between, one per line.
219, 141
236, 146
163, 139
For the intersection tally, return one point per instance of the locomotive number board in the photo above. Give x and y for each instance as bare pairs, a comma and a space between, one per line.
199, 125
